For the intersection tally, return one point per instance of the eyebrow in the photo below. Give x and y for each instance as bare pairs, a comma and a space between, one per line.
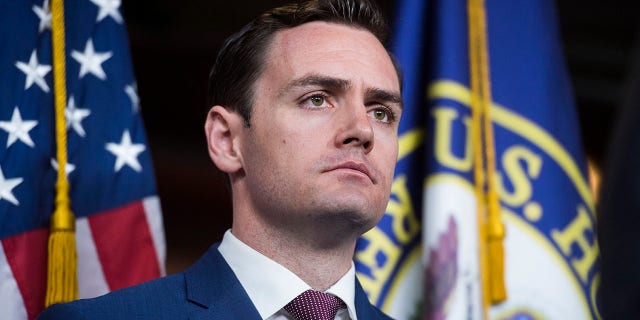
331, 83
384, 96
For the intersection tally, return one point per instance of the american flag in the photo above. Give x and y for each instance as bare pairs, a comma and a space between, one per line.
119, 232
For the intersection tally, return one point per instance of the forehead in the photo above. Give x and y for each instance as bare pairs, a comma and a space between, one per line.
333, 50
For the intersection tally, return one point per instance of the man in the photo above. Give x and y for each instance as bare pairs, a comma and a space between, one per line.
306, 104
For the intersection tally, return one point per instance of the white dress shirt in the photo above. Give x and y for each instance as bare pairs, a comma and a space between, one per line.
271, 286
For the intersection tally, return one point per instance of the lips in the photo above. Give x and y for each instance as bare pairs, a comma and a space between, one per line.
356, 166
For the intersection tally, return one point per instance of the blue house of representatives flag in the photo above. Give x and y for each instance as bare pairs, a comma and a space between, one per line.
531, 157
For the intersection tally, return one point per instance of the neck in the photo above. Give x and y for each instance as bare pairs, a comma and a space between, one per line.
320, 260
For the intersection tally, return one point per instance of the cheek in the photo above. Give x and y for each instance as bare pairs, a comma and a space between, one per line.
388, 159
388, 147
290, 147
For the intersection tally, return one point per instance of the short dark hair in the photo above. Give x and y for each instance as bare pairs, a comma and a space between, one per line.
241, 60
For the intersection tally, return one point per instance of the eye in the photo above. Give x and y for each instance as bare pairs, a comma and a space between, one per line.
382, 115
316, 101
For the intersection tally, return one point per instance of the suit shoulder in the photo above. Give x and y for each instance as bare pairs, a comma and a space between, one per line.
372, 312
380, 315
63, 311
162, 298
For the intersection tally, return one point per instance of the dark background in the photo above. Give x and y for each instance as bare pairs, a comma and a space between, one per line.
174, 44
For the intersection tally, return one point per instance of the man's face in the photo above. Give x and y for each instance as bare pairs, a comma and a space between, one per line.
323, 140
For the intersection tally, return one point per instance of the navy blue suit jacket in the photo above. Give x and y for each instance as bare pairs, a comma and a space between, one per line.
207, 290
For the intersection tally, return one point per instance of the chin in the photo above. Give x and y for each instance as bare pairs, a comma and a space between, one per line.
357, 219
353, 210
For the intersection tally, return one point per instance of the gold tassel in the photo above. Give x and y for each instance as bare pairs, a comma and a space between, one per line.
62, 279
495, 237
490, 226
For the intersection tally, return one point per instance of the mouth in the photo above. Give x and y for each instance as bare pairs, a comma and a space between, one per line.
355, 167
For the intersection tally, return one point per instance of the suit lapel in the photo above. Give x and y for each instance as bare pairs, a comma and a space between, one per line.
214, 292
364, 309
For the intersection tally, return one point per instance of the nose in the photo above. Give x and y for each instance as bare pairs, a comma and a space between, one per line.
355, 128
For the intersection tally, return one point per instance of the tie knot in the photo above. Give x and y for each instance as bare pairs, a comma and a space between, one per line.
314, 305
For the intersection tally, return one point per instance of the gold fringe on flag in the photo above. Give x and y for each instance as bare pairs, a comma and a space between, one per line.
62, 279
490, 225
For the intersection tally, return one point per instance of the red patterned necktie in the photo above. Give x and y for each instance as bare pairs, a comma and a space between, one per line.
314, 305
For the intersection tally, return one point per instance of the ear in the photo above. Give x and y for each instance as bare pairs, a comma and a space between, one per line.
222, 129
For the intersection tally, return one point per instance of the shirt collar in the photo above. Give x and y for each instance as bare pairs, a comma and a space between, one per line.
262, 278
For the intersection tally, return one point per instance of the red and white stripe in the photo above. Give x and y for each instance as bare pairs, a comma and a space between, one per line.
116, 249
